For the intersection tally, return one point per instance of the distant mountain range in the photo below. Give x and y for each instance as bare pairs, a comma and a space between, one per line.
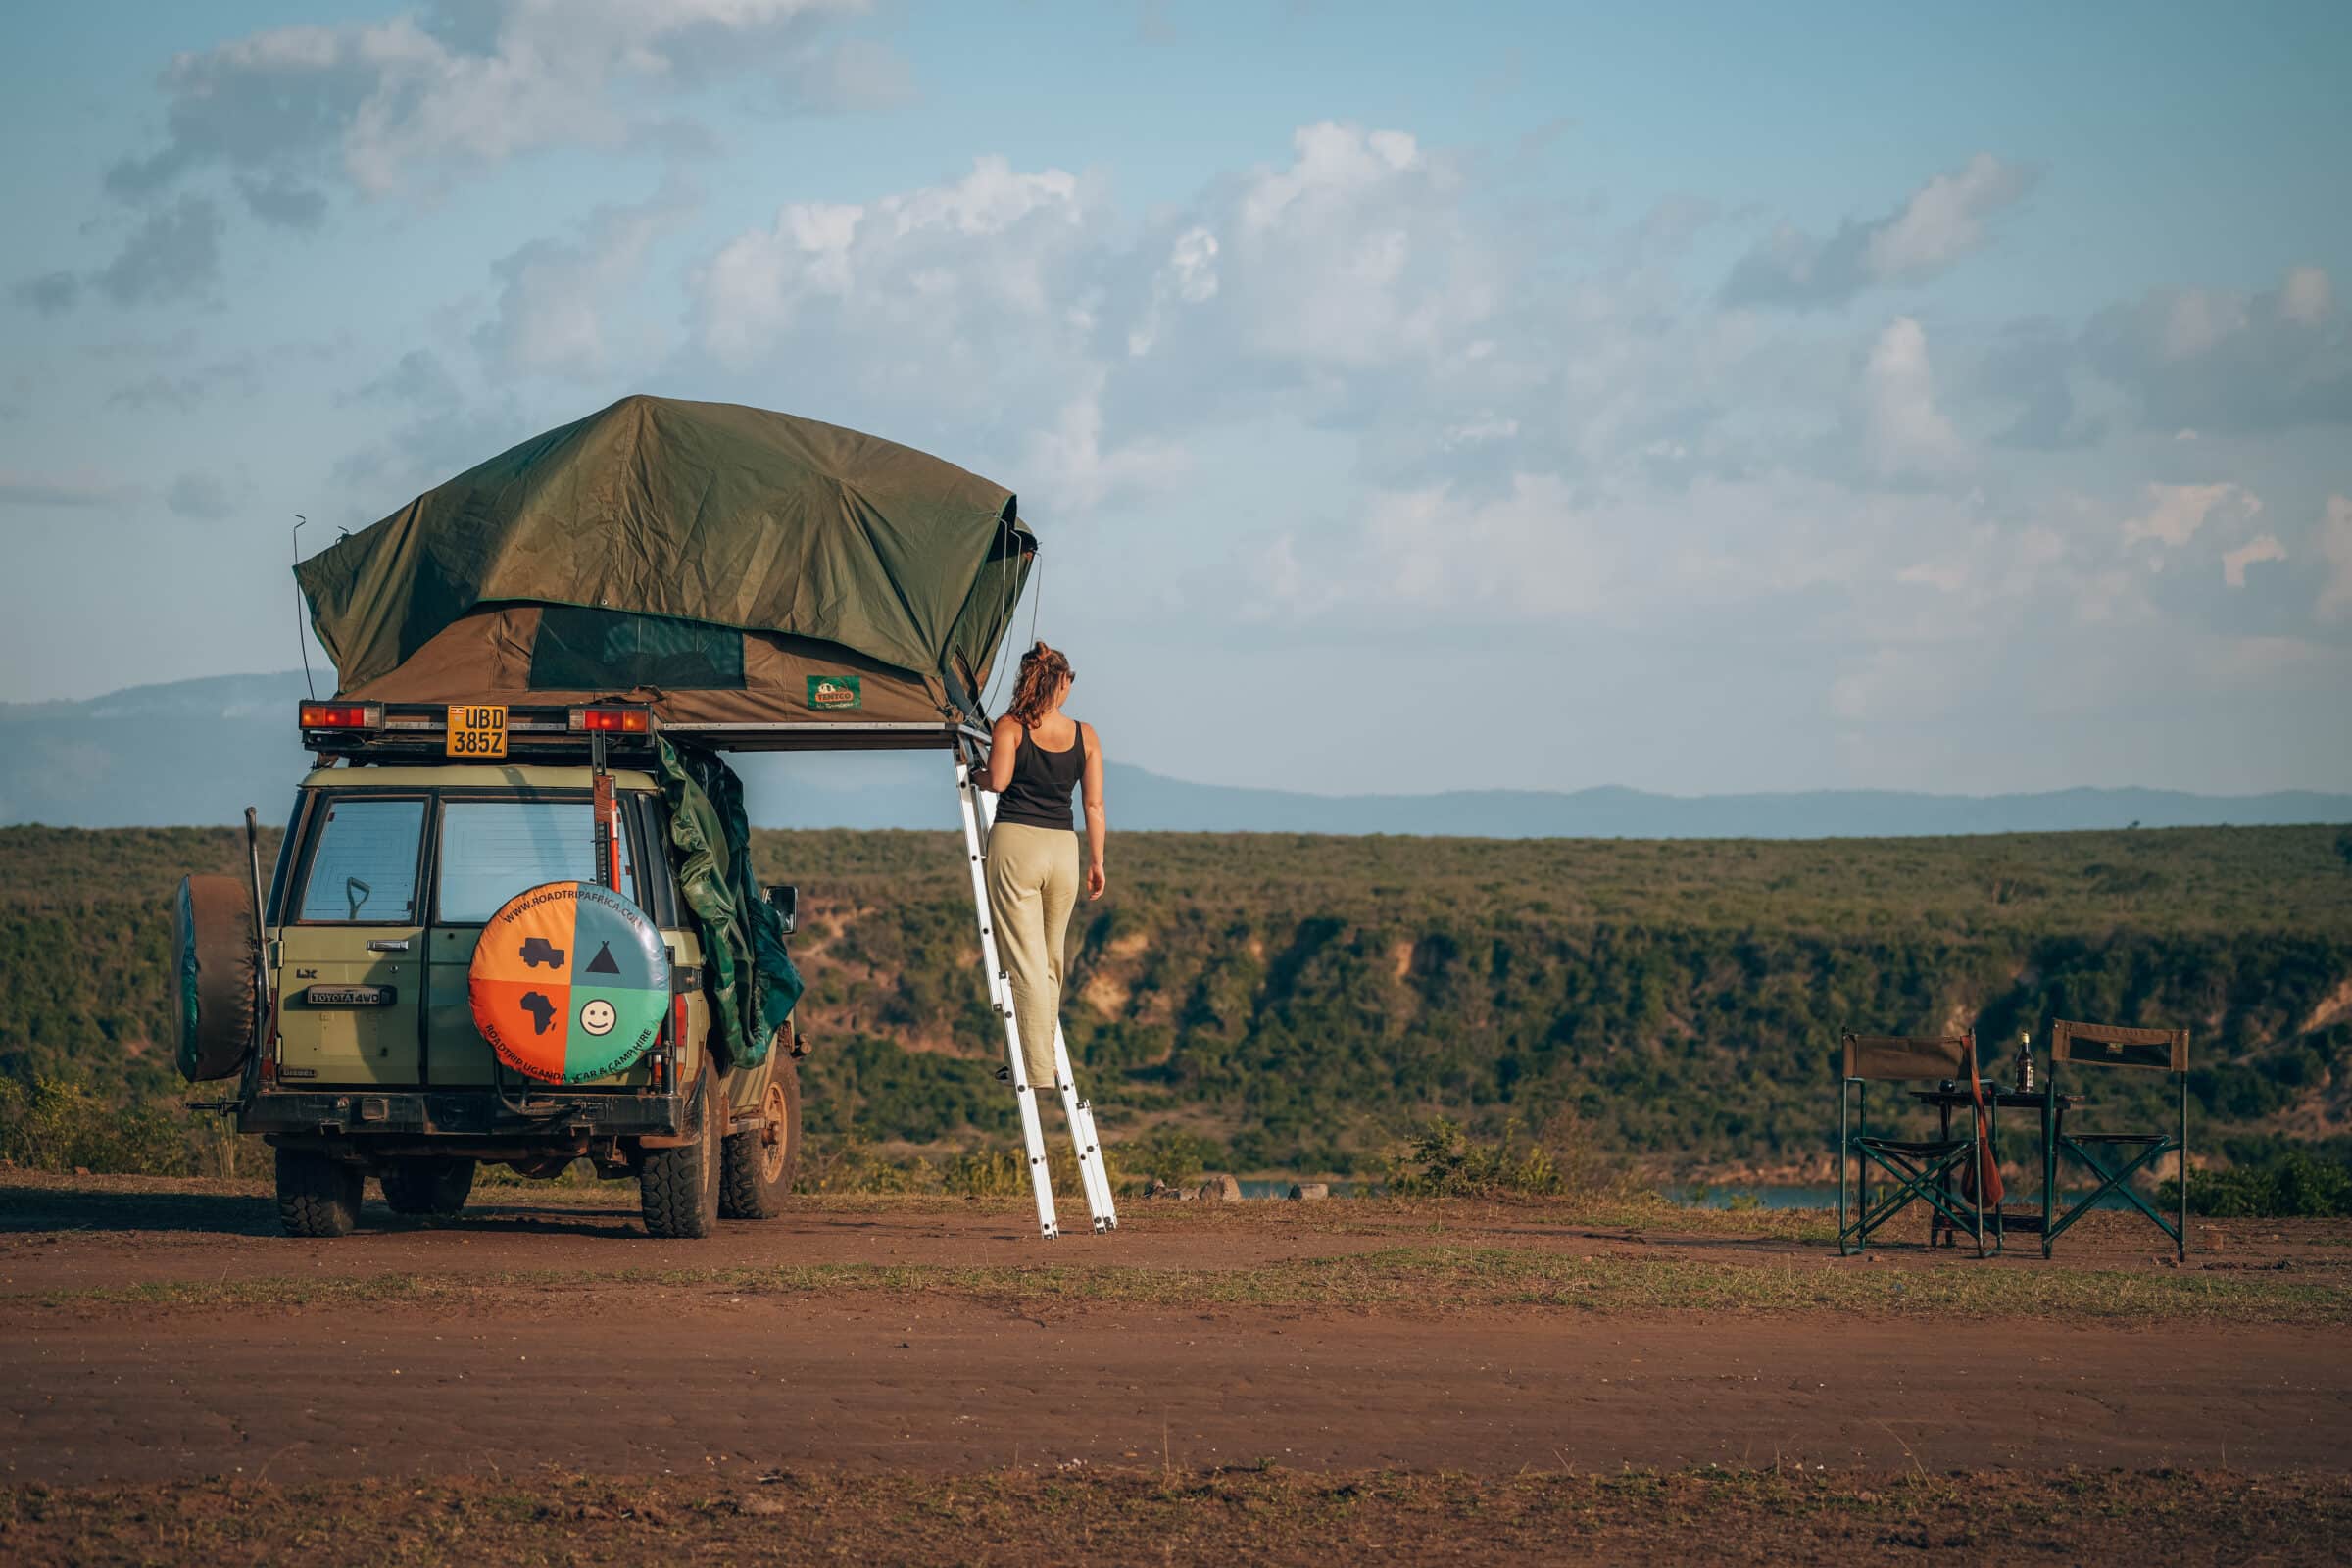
200, 750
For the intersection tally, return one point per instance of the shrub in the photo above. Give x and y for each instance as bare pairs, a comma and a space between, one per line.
2285, 1186
1440, 1161
1165, 1155
57, 1124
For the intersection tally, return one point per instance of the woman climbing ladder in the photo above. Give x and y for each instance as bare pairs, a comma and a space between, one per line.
1037, 757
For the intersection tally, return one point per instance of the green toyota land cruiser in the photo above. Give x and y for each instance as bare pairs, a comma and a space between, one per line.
371, 1061
514, 918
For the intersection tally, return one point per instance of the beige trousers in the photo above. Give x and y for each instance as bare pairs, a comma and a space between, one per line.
1032, 886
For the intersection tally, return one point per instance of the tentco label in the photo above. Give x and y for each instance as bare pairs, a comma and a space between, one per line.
835, 691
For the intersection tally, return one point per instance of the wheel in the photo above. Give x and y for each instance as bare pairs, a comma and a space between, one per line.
317, 1195
677, 1189
429, 1185
760, 1166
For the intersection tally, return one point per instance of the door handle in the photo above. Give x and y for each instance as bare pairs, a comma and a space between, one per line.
388, 945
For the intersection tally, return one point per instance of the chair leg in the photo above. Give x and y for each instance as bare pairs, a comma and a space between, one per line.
1841, 1249
2111, 1180
2049, 1157
2180, 1235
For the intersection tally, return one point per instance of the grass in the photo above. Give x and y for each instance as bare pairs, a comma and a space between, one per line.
1417, 1280
1163, 1515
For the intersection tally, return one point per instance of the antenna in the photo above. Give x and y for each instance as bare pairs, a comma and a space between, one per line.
300, 641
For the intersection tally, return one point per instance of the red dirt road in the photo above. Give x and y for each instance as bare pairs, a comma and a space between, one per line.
922, 1384
607, 1375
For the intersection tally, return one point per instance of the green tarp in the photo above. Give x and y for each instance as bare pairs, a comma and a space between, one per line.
702, 513
753, 985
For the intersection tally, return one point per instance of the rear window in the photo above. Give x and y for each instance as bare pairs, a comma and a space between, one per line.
493, 849
365, 867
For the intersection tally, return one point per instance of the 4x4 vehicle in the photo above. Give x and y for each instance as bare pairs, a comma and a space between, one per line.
375, 1065
645, 591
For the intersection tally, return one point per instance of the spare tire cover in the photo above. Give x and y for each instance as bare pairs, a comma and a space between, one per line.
569, 981
212, 945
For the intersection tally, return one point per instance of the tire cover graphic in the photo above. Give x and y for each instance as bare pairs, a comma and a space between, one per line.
569, 981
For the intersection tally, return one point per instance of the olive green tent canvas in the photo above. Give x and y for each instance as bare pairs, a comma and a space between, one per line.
727, 565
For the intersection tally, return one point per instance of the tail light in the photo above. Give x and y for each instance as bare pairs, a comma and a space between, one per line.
612, 721
342, 715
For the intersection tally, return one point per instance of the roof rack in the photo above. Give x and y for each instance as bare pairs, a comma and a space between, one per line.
413, 732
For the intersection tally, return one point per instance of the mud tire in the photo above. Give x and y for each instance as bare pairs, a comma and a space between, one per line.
760, 1165
428, 1185
316, 1196
677, 1189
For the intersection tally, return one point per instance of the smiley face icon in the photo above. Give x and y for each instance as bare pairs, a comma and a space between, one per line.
598, 1017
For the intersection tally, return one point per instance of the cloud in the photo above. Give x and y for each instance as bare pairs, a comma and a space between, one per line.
2335, 548
561, 301
378, 105
2262, 547
201, 496
51, 293
1531, 552
187, 391
1942, 221
1189, 276
2032, 367
1359, 252
418, 380
899, 257
173, 253
21, 489
1905, 435
1067, 462
283, 200
2176, 512
2213, 359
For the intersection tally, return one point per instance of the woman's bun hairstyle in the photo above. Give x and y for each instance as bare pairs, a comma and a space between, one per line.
1043, 670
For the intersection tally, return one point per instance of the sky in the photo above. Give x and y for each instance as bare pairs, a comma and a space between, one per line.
1696, 398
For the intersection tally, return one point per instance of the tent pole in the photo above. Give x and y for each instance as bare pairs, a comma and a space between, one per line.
1079, 1113
999, 997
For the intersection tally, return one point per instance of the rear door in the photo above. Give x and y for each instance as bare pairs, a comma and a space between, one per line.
492, 847
352, 968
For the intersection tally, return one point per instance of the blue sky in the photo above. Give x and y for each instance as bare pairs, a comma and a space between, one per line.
1697, 398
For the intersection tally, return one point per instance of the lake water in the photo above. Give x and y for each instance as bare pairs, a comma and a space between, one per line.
1827, 1196
1691, 1196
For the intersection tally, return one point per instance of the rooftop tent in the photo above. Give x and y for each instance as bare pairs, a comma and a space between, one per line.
723, 564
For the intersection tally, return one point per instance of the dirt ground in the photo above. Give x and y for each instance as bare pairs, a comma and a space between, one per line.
156, 1334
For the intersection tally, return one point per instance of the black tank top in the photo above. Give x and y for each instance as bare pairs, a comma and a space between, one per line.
1038, 795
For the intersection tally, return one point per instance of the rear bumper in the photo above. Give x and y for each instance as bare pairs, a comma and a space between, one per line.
557, 1119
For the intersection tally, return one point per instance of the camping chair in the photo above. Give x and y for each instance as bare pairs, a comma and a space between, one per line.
2106, 1044
1922, 1170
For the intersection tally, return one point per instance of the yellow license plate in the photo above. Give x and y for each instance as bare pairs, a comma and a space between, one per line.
477, 731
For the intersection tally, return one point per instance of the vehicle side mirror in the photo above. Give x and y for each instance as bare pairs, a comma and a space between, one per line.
785, 900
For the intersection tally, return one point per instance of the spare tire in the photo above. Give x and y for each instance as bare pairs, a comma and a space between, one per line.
212, 940
569, 981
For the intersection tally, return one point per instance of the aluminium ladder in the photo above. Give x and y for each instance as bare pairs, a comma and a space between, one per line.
979, 810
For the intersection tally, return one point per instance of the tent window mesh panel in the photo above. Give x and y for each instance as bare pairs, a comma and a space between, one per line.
579, 649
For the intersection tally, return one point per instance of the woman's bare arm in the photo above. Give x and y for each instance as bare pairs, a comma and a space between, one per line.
1003, 743
1097, 826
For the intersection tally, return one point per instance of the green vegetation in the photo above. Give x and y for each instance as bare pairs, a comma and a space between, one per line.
2287, 1184
1299, 1003
59, 1124
1442, 1160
